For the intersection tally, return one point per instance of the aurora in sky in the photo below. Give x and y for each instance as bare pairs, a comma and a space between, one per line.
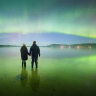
27, 20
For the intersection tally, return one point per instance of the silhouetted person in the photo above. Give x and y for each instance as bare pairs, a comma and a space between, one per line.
24, 76
35, 51
24, 55
34, 80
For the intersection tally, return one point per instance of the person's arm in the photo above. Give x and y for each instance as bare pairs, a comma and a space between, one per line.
27, 52
20, 49
39, 51
30, 51
21, 53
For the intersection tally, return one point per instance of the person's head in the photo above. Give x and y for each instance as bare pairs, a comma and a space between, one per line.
24, 44
34, 42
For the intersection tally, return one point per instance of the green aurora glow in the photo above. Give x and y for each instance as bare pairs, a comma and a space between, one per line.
43, 16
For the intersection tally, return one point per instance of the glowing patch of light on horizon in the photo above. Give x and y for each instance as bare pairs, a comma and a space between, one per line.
69, 46
62, 47
89, 47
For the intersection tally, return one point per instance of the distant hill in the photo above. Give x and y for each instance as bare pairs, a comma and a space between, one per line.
9, 46
86, 45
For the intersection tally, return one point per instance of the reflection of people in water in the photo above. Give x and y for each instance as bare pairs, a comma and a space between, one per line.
24, 54
24, 76
34, 80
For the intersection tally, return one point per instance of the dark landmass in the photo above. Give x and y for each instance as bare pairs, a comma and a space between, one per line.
86, 45
9, 46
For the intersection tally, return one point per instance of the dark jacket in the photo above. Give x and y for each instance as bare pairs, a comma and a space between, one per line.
24, 53
35, 50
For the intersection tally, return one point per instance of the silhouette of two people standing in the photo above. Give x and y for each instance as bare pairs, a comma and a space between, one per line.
34, 53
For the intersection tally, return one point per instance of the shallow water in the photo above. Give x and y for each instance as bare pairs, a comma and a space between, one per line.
61, 72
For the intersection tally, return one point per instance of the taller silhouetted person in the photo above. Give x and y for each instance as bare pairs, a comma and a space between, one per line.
35, 51
24, 55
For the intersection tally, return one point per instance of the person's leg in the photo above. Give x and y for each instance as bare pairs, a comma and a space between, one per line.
36, 62
25, 63
32, 61
22, 63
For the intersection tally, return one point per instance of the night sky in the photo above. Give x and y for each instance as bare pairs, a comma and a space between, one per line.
73, 17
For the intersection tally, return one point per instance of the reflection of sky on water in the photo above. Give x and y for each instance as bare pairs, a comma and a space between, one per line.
55, 77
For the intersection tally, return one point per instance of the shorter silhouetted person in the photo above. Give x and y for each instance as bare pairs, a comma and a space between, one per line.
35, 51
24, 55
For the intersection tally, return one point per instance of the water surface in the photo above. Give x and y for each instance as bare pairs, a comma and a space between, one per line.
61, 72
